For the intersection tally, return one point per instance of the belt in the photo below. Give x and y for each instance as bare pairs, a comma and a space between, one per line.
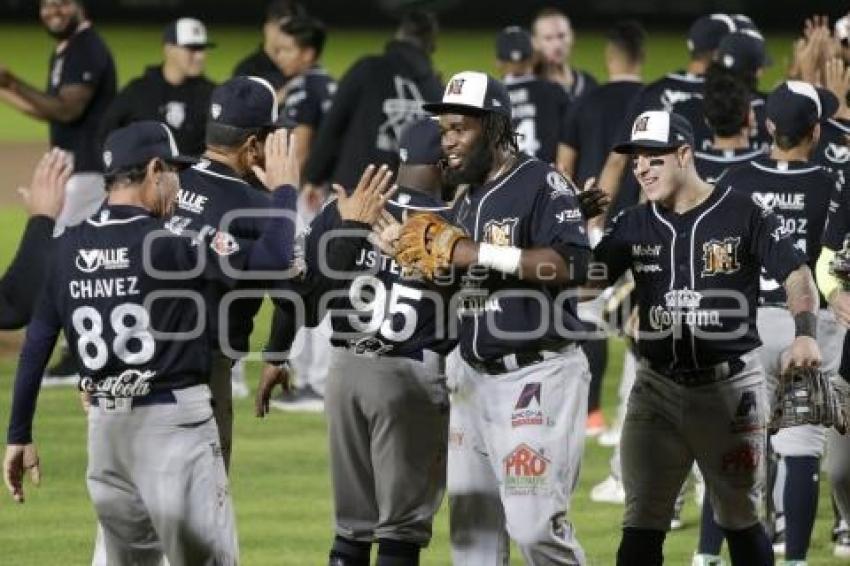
702, 376
515, 361
107, 403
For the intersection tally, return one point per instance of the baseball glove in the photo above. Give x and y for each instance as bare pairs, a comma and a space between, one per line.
840, 266
426, 244
805, 395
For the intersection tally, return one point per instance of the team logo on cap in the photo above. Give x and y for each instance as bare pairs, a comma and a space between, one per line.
215, 111
107, 158
720, 256
641, 125
455, 87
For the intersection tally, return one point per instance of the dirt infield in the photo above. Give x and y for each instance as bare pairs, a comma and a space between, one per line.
16, 163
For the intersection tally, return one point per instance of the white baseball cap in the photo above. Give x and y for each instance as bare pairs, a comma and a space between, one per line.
658, 129
187, 32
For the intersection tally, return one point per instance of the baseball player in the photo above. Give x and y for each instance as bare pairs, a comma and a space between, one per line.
729, 115
800, 194
122, 289
835, 239
518, 379
553, 40
242, 113
386, 400
175, 92
696, 253
538, 106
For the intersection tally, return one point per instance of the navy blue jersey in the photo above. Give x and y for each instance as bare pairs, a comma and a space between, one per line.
84, 59
380, 310
539, 113
593, 125
530, 206
833, 150
209, 190
308, 97
125, 291
697, 275
838, 221
799, 194
683, 93
712, 163
583, 83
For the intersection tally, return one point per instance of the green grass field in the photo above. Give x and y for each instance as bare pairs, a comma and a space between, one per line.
280, 471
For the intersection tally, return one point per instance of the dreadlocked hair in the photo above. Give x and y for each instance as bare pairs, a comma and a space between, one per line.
499, 132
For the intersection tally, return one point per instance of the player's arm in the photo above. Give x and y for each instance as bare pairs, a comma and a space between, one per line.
564, 264
40, 339
302, 137
17, 102
20, 285
66, 106
776, 252
566, 159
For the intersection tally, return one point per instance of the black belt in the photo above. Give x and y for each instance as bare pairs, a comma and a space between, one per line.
691, 377
498, 366
165, 397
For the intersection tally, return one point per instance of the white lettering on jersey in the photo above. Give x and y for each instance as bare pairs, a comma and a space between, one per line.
404, 108
89, 261
191, 202
104, 288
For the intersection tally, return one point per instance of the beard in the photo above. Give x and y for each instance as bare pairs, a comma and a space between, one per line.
67, 31
473, 170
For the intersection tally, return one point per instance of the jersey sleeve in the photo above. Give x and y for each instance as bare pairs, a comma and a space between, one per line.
772, 245
40, 339
84, 64
613, 249
556, 217
838, 220
21, 284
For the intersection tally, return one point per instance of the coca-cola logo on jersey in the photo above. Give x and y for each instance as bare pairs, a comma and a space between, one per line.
129, 383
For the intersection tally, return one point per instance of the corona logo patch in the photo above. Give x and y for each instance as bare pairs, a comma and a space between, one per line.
500, 232
455, 87
720, 256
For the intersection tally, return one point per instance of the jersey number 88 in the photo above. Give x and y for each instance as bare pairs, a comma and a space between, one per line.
130, 323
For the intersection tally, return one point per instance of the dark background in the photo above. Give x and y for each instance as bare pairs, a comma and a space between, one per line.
769, 14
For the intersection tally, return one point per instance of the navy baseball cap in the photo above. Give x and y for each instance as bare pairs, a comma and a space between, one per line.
795, 107
514, 44
135, 145
245, 102
187, 32
658, 129
707, 31
471, 92
743, 52
743, 21
420, 143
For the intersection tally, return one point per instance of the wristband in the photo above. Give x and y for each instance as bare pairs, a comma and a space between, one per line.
501, 258
806, 324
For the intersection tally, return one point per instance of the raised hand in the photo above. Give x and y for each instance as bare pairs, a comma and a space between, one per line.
281, 166
369, 197
46, 193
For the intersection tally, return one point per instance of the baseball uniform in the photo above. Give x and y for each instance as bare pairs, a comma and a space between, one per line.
126, 292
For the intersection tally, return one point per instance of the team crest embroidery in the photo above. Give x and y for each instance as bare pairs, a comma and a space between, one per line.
175, 114
455, 87
559, 185
641, 124
720, 256
500, 232
224, 244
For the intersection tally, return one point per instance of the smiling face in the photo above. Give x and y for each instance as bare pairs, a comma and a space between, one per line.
660, 172
468, 158
60, 17
553, 38
189, 61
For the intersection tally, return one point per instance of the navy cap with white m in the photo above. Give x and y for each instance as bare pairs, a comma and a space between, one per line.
658, 129
707, 31
471, 92
514, 44
244, 102
419, 143
795, 107
136, 144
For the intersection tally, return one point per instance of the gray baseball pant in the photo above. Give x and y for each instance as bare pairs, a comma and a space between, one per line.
516, 442
158, 484
387, 427
668, 426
